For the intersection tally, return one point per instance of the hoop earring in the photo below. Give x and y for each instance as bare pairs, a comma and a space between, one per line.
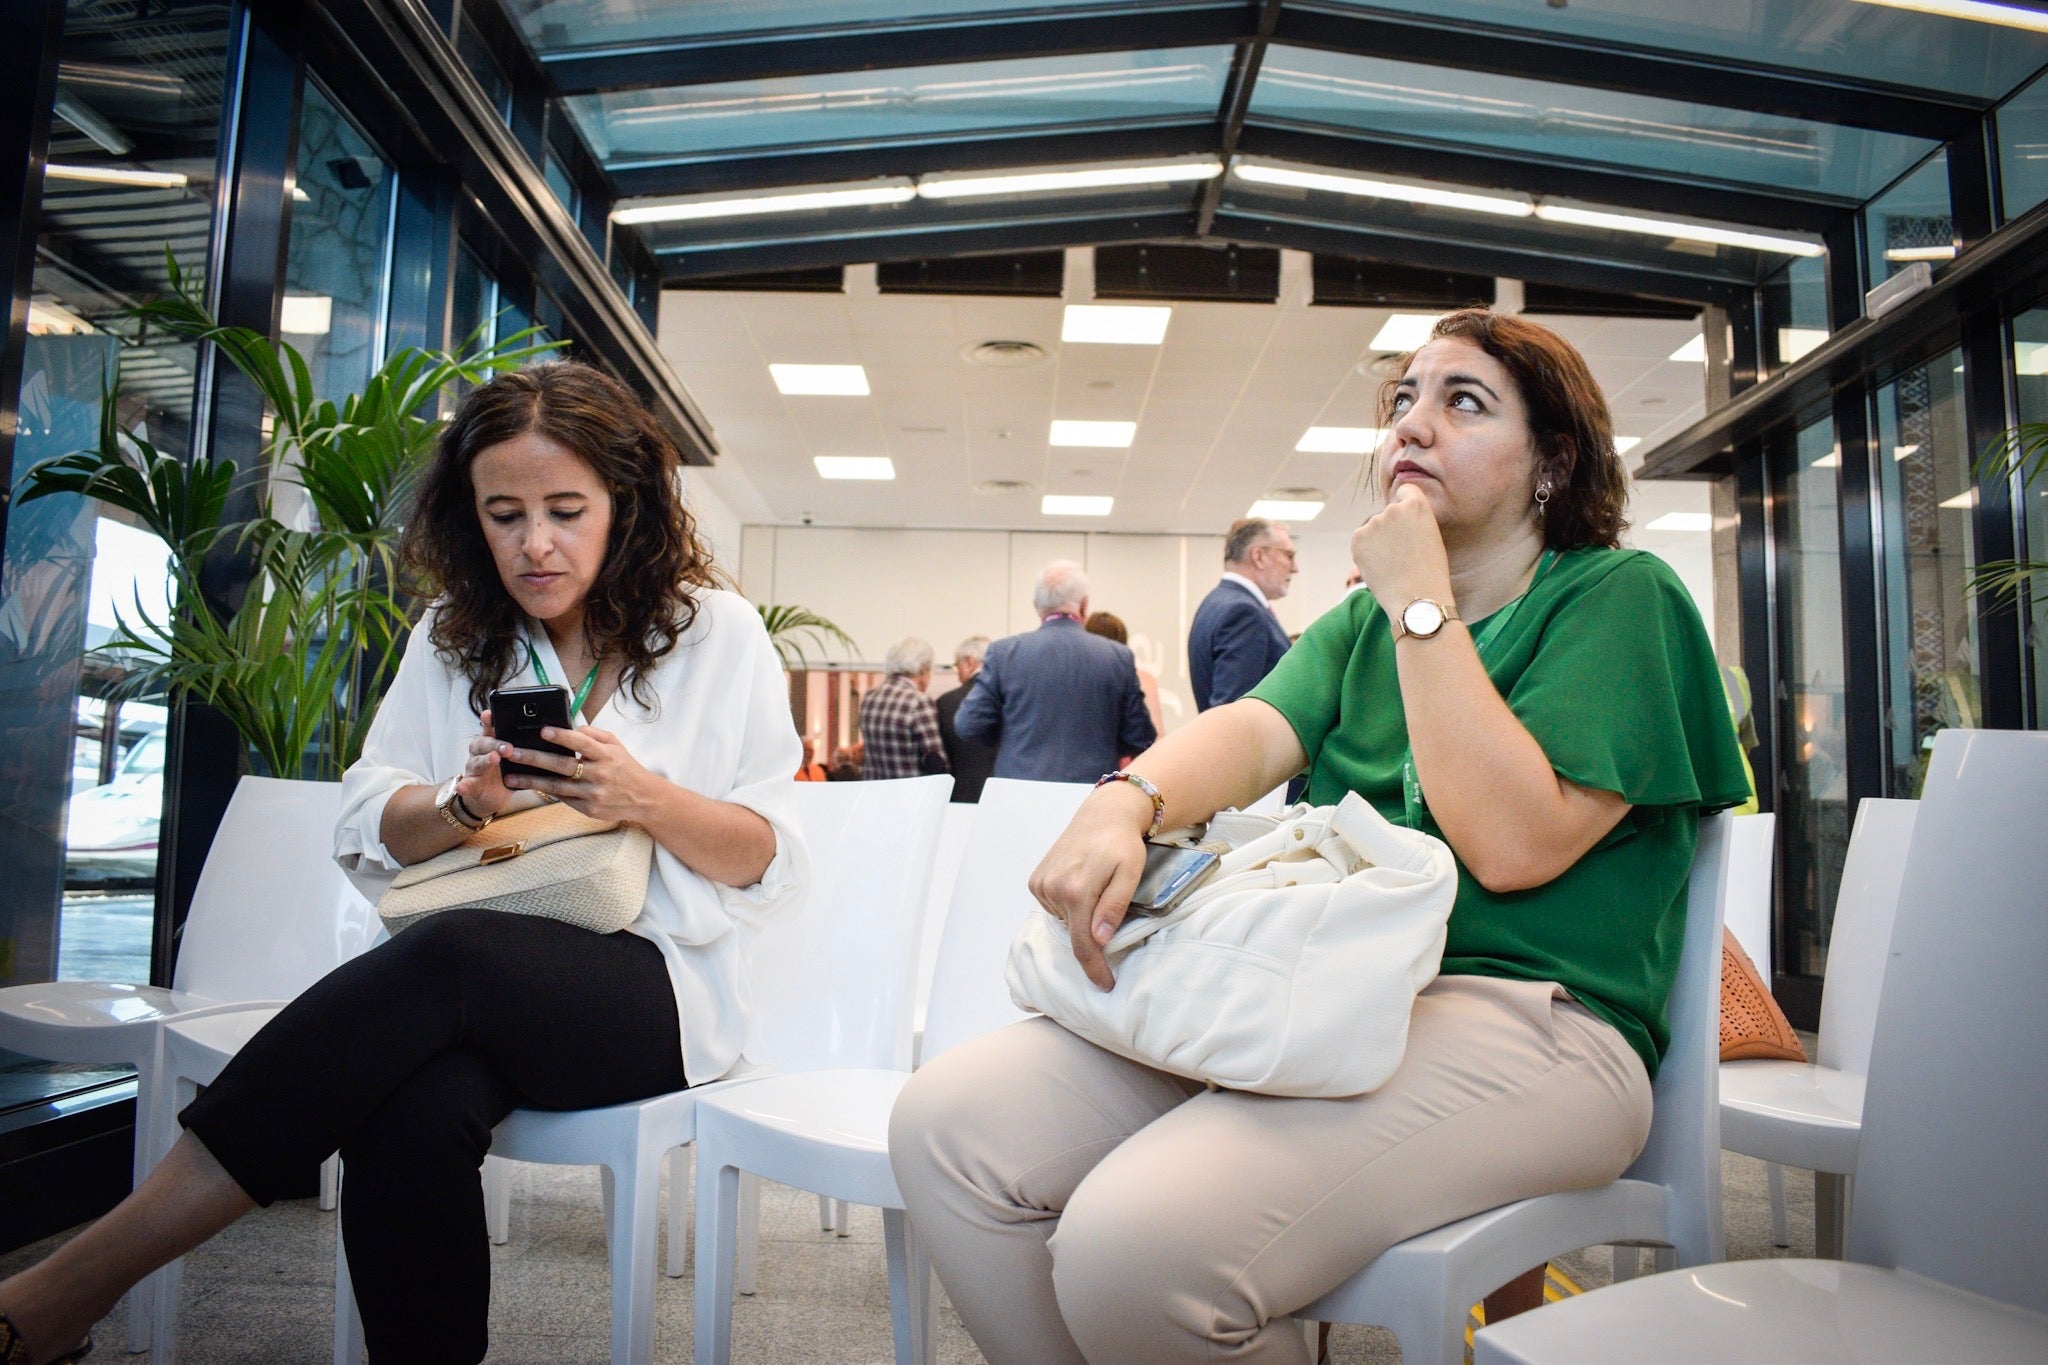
1543, 494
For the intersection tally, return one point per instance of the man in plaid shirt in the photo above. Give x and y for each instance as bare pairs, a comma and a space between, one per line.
898, 722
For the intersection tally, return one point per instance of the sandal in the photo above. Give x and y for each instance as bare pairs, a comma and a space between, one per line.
14, 1350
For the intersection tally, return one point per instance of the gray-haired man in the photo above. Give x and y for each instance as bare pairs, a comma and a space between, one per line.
898, 724
973, 762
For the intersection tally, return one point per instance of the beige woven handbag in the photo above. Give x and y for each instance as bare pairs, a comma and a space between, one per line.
552, 860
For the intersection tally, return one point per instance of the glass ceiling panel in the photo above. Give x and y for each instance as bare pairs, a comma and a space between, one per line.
1852, 38
1569, 123
554, 26
856, 108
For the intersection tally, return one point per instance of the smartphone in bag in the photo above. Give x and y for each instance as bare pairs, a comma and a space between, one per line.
1171, 873
517, 717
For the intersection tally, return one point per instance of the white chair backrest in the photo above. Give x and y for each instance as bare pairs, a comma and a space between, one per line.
1684, 1146
1955, 1117
1749, 899
1860, 941
1017, 823
959, 819
832, 975
273, 912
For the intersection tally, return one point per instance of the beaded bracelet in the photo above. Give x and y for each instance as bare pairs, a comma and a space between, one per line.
1158, 801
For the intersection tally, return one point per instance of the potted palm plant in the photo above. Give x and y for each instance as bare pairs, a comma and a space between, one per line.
299, 664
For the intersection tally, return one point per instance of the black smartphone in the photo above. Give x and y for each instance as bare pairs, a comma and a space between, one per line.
1171, 872
517, 715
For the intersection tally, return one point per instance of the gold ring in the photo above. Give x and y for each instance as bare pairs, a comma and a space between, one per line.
577, 774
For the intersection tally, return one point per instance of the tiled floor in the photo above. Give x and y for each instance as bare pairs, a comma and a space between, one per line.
262, 1293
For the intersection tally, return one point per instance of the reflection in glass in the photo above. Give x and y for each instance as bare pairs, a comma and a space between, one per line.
850, 108
1911, 221
2023, 150
1926, 494
336, 264
1813, 798
1795, 311
1554, 121
2030, 367
561, 25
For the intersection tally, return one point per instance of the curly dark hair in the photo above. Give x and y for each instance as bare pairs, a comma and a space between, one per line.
643, 599
1567, 415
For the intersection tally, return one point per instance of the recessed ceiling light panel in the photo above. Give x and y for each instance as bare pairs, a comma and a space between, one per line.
1068, 505
695, 208
1404, 331
869, 467
847, 380
1115, 324
1282, 509
1338, 440
1108, 435
1694, 350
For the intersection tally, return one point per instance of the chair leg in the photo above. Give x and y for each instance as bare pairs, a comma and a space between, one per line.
718, 1201
632, 1215
1429, 1326
330, 1181
843, 1217
678, 1213
1830, 1214
498, 1199
1628, 1262
825, 1212
750, 1232
348, 1318
1774, 1176
168, 1282
142, 1298
910, 1278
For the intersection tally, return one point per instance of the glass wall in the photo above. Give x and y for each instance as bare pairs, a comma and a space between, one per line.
2023, 149
1813, 792
1925, 492
1795, 311
2030, 369
339, 256
1911, 221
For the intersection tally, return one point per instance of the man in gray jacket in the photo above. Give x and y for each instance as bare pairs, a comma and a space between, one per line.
1059, 704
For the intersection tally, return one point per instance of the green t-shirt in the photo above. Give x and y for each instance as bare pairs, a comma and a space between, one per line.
1606, 664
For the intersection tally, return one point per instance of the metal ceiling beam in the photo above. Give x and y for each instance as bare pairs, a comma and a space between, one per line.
2008, 268
886, 45
1631, 69
683, 266
1237, 100
1543, 265
399, 40
1528, 175
768, 168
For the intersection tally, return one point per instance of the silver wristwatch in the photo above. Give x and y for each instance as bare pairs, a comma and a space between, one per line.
446, 804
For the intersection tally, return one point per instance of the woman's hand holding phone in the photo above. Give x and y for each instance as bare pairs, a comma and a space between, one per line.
1086, 878
598, 776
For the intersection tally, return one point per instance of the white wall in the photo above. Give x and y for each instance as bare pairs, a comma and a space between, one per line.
881, 585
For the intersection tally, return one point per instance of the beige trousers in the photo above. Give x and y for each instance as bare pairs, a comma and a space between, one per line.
1082, 1207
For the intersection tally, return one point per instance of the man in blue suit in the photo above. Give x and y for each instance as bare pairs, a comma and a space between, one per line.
1059, 704
1236, 639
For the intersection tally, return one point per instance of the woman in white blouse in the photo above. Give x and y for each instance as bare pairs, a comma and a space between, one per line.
551, 530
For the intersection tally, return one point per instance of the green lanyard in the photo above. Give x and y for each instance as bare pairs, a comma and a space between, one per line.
582, 693
1411, 789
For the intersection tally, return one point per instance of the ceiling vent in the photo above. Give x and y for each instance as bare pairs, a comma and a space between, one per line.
1006, 355
994, 486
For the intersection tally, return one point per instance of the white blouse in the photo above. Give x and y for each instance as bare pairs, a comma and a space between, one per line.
719, 724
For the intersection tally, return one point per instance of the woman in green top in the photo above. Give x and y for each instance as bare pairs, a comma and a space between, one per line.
1512, 681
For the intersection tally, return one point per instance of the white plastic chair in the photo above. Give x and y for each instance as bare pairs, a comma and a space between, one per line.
1810, 1114
245, 944
1423, 1288
812, 971
1949, 1229
825, 1128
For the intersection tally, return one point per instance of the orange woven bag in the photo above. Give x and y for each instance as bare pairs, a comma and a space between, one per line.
1752, 1025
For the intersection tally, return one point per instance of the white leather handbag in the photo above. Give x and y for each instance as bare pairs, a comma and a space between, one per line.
1292, 971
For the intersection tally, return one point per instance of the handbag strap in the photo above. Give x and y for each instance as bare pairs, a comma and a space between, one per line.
1412, 804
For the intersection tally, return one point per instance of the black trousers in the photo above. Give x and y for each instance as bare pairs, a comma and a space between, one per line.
403, 1060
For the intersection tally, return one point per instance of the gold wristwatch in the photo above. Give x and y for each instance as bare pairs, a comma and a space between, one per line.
1422, 618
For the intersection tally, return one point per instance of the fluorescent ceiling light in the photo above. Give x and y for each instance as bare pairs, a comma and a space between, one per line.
117, 175
1436, 196
1062, 505
875, 467
2030, 357
1109, 435
1963, 501
1794, 342
1115, 324
54, 319
1920, 253
890, 190
2010, 16
1281, 509
1338, 440
309, 315
1694, 350
1404, 332
1083, 178
848, 380
1683, 521
1624, 444
1902, 452
1684, 232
